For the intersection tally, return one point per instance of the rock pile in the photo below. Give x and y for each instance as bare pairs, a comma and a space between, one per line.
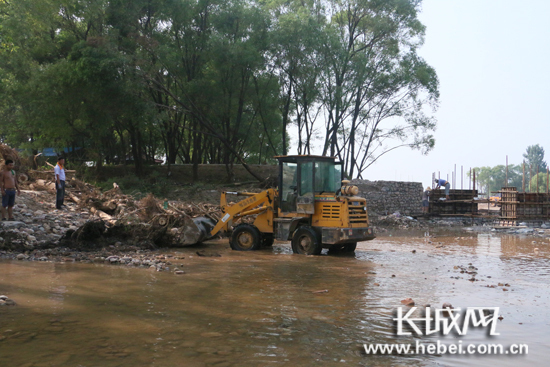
396, 220
92, 220
37, 223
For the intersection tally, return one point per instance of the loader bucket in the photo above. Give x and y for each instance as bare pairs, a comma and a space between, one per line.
196, 230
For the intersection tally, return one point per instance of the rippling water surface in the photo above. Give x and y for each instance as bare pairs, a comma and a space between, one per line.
273, 308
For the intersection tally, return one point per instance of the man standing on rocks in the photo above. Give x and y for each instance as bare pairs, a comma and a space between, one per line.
60, 182
8, 184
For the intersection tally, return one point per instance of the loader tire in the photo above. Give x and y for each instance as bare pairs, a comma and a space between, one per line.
267, 239
245, 237
349, 247
343, 249
306, 241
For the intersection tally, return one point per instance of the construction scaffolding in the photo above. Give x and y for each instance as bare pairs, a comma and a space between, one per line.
523, 206
515, 207
460, 203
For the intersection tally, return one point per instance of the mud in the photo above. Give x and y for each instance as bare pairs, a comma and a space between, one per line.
206, 305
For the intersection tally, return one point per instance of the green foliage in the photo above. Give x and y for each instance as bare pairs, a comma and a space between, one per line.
538, 183
133, 185
522, 176
214, 82
492, 179
534, 157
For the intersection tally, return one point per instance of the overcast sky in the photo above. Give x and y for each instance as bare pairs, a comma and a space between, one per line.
492, 60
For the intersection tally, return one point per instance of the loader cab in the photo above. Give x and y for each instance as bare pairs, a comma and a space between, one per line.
302, 177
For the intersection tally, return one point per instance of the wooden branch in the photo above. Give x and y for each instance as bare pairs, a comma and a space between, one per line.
73, 197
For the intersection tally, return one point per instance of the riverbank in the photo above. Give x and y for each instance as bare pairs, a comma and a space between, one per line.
76, 234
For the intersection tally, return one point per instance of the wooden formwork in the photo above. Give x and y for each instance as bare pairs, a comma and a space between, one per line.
524, 205
508, 203
461, 203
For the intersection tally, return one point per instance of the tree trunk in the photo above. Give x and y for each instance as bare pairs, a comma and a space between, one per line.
135, 140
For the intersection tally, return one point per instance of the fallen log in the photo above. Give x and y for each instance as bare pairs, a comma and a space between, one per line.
101, 214
45, 185
205, 213
73, 197
111, 205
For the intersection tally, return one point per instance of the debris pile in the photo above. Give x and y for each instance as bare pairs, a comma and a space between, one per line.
146, 223
396, 220
92, 219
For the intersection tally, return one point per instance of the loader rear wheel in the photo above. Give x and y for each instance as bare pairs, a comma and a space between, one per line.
306, 241
245, 238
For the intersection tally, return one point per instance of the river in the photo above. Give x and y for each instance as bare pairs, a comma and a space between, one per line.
273, 308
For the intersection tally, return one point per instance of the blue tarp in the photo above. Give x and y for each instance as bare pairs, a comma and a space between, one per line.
52, 152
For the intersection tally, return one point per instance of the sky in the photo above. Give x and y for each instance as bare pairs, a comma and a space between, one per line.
492, 58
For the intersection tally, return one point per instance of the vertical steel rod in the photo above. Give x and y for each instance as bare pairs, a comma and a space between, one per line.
506, 184
530, 174
523, 176
537, 179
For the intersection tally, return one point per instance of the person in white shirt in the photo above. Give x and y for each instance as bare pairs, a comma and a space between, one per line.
60, 182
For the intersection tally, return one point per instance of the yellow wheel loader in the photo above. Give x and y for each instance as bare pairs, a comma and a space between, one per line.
312, 207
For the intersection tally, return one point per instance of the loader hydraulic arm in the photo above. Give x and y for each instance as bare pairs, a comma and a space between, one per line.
255, 203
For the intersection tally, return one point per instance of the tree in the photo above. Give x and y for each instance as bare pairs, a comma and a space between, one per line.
492, 179
539, 183
298, 37
375, 85
217, 81
534, 156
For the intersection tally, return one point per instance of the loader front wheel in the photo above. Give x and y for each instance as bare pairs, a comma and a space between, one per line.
306, 241
245, 238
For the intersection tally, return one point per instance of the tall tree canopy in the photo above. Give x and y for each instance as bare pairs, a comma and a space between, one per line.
217, 81
534, 157
523, 176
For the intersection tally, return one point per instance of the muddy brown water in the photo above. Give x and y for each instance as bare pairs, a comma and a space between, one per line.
273, 308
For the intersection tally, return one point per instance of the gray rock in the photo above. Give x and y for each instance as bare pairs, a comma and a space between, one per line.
12, 224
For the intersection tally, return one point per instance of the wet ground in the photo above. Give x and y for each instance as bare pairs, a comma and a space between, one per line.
273, 308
